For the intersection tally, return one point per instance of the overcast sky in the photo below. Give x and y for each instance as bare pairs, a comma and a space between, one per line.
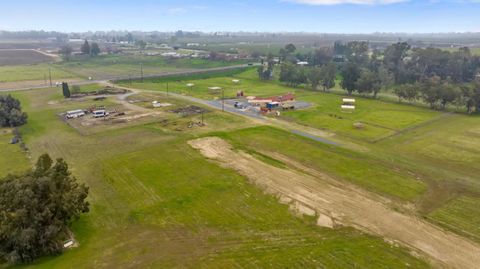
326, 16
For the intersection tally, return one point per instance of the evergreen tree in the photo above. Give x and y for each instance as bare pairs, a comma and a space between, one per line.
94, 49
85, 48
66, 90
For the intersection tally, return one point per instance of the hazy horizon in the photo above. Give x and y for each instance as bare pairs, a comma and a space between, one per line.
288, 16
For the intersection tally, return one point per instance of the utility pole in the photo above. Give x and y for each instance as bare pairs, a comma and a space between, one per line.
141, 71
50, 75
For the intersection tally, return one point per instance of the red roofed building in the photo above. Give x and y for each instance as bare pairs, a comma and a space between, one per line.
280, 99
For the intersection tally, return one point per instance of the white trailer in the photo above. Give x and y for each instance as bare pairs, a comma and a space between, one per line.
72, 114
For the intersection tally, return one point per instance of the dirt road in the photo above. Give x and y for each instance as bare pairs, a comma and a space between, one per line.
312, 192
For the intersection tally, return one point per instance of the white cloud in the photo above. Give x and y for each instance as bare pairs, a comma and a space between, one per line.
339, 2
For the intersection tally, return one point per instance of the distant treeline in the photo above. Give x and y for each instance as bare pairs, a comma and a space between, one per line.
32, 34
265, 38
437, 77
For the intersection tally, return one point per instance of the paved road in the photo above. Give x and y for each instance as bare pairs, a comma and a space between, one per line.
116, 78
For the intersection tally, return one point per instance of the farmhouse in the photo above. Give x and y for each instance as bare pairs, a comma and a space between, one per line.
289, 97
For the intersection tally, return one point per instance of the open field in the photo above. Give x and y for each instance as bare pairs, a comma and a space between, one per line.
156, 202
12, 158
18, 57
314, 193
264, 48
108, 66
339, 163
81, 68
248, 84
379, 118
446, 151
474, 51
461, 215
36, 72
411, 153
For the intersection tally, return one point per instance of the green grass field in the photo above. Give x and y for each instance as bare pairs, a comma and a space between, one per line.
107, 66
103, 67
249, 84
414, 153
461, 215
156, 202
379, 118
474, 51
15, 73
451, 142
12, 159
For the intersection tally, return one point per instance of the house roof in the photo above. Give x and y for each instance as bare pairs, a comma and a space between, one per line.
286, 97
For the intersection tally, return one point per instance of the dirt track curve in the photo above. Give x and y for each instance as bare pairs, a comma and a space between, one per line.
313, 192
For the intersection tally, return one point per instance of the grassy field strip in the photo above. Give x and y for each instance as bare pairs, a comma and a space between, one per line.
451, 143
12, 158
461, 215
38, 72
411, 128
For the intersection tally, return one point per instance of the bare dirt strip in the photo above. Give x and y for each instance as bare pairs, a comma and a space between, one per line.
314, 193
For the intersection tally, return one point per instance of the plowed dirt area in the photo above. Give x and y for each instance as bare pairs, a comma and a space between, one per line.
314, 193
23, 56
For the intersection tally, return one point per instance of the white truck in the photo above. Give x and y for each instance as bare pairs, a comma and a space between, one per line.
100, 113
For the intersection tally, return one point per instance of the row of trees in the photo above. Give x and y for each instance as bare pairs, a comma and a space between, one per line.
92, 50
437, 77
36, 209
11, 114
439, 93
294, 75
86, 48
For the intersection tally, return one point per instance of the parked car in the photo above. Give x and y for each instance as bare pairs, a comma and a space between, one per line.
240, 105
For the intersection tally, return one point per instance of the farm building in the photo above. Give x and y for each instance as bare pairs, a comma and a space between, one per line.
282, 101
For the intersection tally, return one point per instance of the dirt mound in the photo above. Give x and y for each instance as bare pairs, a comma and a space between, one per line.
337, 204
